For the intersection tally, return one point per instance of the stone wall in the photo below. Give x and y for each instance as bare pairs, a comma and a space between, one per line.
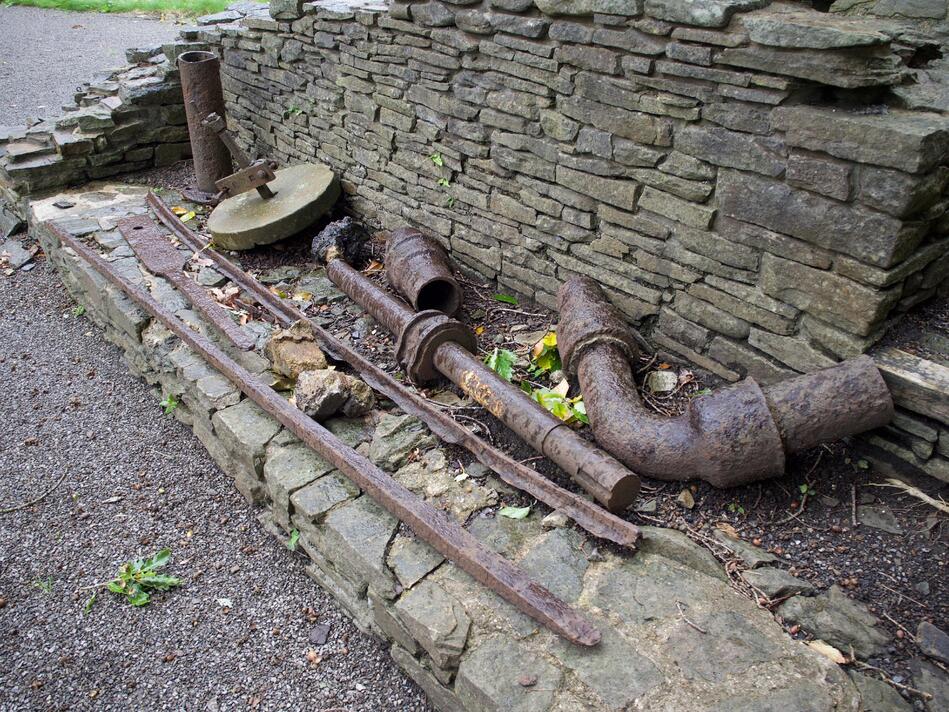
676, 635
743, 177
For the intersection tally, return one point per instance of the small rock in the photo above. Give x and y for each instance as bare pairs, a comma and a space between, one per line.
527, 680
324, 392
210, 277
277, 275
64, 204
319, 633
13, 255
933, 642
477, 469
929, 678
839, 620
294, 350
555, 520
879, 518
557, 376
686, 499
877, 696
647, 507
922, 587
751, 556
661, 381
776, 583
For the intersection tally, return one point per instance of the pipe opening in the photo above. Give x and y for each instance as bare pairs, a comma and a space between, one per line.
439, 294
196, 57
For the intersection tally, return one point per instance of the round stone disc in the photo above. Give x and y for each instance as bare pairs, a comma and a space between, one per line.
303, 194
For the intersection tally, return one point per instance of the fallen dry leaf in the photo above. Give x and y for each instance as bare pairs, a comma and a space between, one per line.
828, 651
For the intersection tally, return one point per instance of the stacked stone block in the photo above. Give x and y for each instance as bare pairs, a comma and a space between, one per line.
738, 174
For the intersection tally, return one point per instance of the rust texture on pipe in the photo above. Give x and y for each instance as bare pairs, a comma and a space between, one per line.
586, 514
736, 435
601, 475
159, 257
595, 471
431, 525
203, 95
419, 269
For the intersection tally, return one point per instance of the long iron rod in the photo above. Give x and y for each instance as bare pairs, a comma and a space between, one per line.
594, 519
431, 525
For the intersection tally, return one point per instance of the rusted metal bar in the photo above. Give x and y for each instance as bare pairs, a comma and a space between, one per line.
419, 269
431, 525
586, 514
252, 174
735, 435
447, 350
160, 258
203, 95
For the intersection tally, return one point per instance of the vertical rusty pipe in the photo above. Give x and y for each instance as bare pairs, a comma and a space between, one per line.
203, 94
418, 267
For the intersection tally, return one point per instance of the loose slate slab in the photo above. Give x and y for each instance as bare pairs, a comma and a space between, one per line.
839, 620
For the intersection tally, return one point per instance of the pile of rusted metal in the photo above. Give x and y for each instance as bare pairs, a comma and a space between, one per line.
736, 435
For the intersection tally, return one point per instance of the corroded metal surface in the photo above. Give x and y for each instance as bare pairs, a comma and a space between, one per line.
830, 404
736, 435
586, 514
148, 241
601, 475
418, 267
203, 95
597, 472
431, 525
251, 174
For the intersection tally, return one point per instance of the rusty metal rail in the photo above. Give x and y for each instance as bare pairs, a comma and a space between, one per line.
161, 258
736, 435
586, 514
431, 525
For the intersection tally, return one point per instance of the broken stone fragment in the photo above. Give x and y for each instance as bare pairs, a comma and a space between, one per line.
324, 392
842, 622
776, 583
933, 642
294, 350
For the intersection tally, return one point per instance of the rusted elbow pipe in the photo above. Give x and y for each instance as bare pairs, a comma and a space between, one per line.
736, 435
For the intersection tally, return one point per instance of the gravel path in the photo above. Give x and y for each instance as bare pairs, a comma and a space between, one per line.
46, 54
137, 481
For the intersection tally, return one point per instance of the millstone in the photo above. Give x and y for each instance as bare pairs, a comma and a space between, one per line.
303, 194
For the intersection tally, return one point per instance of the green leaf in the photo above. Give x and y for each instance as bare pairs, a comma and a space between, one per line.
506, 298
160, 558
139, 599
169, 403
88, 607
437, 159
514, 512
116, 586
545, 356
444, 182
78, 310
502, 361
292, 541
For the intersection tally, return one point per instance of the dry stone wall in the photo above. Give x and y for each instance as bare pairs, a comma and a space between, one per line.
744, 177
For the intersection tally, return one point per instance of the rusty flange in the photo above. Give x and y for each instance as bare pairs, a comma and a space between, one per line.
420, 338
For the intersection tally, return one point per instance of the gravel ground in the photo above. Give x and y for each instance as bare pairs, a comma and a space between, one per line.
35, 79
137, 481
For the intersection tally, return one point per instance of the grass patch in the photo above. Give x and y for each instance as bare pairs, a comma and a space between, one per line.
190, 8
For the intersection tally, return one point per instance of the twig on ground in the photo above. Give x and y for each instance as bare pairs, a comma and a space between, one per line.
939, 504
35, 500
889, 680
900, 626
903, 595
688, 620
853, 505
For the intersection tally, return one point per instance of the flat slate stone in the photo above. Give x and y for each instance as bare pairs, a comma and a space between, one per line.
877, 696
839, 620
929, 678
879, 518
557, 562
412, 560
488, 678
933, 642
436, 620
811, 31
751, 555
776, 583
702, 13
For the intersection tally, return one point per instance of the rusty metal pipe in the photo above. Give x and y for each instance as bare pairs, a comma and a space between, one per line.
203, 95
429, 343
585, 513
736, 435
419, 269
431, 525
